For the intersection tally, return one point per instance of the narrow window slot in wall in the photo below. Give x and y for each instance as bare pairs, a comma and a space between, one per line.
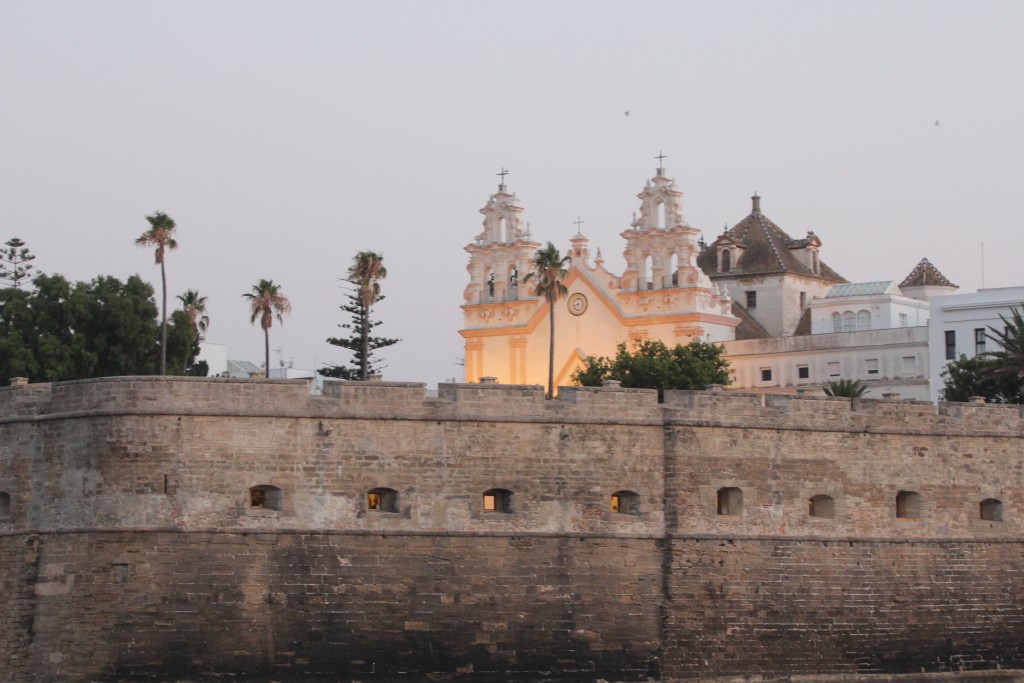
908, 505
498, 500
382, 500
991, 510
730, 501
822, 506
625, 502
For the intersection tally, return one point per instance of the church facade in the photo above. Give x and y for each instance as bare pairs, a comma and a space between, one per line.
663, 294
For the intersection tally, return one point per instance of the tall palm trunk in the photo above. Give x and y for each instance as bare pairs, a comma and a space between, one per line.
551, 355
163, 323
266, 352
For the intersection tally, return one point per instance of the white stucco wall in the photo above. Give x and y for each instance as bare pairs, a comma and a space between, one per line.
962, 314
889, 361
885, 310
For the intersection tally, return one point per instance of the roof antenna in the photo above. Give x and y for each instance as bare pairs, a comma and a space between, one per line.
983, 265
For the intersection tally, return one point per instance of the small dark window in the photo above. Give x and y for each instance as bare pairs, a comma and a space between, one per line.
625, 502
950, 344
5, 505
822, 506
498, 500
992, 510
726, 260
979, 341
751, 299
803, 372
766, 374
730, 501
382, 500
908, 505
803, 299
872, 366
265, 497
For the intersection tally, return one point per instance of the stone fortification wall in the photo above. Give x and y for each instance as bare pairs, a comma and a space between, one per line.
131, 517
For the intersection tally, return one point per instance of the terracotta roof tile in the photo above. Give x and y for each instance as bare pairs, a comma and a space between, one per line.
925, 274
767, 250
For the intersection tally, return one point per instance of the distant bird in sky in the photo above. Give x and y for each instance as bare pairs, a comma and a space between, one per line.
936, 122
627, 112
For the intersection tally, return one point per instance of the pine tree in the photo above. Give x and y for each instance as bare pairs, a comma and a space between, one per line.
14, 263
357, 341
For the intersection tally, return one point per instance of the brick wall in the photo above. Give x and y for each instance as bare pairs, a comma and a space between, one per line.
139, 492
295, 606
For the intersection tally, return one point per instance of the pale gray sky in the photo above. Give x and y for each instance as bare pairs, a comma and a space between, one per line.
283, 137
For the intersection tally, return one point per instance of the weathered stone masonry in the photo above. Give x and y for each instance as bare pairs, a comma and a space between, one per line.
132, 550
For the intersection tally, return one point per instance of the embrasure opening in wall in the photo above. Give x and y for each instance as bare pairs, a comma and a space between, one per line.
626, 502
992, 510
908, 505
730, 501
498, 500
822, 506
265, 497
382, 499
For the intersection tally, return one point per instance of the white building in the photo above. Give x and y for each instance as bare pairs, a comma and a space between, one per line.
858, 306
960, 324
892, 360
867, 331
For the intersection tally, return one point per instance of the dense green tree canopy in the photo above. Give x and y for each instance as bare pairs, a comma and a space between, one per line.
966, 377
64, 331
653, 365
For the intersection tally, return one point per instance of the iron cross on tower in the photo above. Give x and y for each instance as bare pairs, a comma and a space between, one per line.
501, 185
579, 225
661, 166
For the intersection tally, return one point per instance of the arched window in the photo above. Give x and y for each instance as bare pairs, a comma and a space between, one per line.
849, 321
382, 500
726, 261
498, 500
730, 501
5, 505
648, 273
837, 322
992, 510
672, 279
822, 506
265, 497
863, 320
659, 215
625, 502
499, 232
908, 505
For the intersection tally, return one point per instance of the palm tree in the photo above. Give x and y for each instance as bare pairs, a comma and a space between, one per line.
366, 272
845, 388
1010, 358
160, 235
267, 302
549, 270
195, 309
